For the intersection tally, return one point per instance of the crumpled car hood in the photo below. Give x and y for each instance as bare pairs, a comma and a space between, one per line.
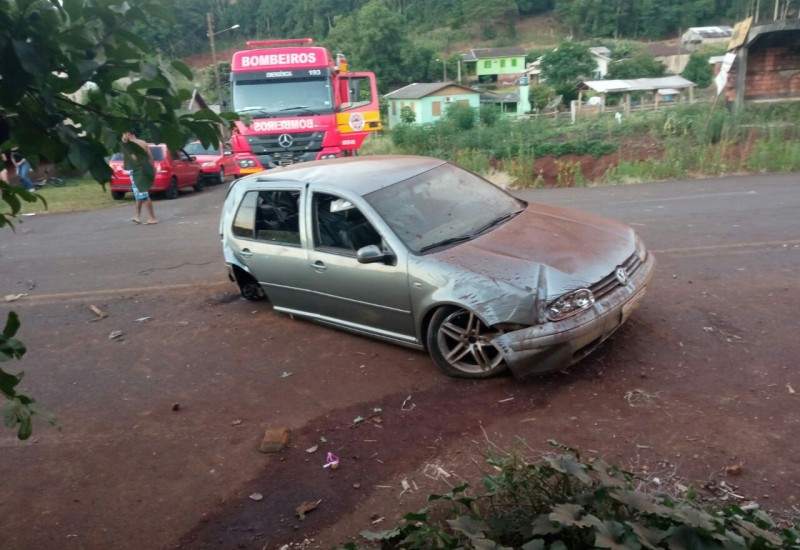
574, 248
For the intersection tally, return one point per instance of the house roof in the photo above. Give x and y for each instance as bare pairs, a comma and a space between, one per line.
418, 90
601, 51
638, 84
665, 50
712, 32
491, 53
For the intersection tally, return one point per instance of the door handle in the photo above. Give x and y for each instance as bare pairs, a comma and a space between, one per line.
246, 253
319, 266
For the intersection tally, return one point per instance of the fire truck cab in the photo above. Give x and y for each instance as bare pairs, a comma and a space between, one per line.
297, 103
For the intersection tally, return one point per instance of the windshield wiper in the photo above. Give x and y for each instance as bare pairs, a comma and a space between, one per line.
445, 242
260, 111
305, 108
497, 221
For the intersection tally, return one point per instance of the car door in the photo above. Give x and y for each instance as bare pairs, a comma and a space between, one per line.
267, 239
369, 297
186, 168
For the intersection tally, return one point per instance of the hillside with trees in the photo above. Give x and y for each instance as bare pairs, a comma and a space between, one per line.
410, 30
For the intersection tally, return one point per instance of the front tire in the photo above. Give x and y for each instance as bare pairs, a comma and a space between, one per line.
118, 195
221, 176
461, 345
200, 185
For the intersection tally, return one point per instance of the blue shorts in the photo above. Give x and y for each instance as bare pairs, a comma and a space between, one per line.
138, 195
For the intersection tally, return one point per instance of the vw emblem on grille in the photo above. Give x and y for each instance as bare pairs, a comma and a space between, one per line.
622, 276
285, 141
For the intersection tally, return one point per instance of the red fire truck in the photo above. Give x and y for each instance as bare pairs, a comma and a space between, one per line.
298, 103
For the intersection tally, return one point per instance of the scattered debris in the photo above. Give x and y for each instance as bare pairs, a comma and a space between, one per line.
176, 407
274, 440
405, 485
257, 497
31, 284
115, 335
403, 406
356, 486
506, 400
305, 507
435, 471
358, 419
13, 297
236, 422
708, 329
377, 520
750, 506
312, 449
286, 374
790, 388
734, 470
638, 397
142, 319
99, 312
331, 461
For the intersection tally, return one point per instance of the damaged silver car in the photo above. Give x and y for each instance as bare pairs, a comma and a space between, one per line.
420, 252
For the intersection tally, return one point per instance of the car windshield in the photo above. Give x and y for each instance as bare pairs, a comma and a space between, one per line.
196, 148
443, 206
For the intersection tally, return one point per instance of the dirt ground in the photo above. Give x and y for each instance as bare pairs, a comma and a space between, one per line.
162, 424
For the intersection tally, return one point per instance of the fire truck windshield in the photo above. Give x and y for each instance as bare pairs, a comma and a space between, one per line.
282, 97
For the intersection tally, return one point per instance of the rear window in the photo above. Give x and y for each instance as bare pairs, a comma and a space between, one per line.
157, 152
196, 148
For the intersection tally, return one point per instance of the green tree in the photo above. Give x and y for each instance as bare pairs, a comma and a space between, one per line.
641, 65
540, 95
699, 71
50, 53
374, 39
563, 67
407, 116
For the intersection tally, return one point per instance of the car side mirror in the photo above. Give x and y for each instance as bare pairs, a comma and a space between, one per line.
371, 254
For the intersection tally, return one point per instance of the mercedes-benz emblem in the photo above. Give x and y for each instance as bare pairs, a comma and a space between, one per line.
622, 276
285, 141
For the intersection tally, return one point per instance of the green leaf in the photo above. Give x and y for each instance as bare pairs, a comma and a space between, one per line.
381, 535
641, 502
12, 325
611, 534
543, 525
468, 526
570, 515
535, 544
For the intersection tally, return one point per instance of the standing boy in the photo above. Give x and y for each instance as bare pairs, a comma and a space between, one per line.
139, 196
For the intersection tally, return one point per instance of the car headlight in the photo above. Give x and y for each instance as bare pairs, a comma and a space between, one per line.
570, 303
331, 156
209, 164
247, 163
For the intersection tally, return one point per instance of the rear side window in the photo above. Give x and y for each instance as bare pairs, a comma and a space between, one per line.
157, 152
270, 216
244, 222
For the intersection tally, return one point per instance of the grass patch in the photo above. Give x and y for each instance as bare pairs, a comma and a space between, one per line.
77, 195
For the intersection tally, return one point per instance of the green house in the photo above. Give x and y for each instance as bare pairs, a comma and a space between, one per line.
429, 101
493, 64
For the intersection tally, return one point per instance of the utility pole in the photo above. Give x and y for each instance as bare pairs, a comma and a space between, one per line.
214, 59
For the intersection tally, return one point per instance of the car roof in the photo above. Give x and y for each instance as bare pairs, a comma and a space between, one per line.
361, 175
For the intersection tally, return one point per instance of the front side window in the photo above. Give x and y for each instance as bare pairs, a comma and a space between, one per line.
338, 224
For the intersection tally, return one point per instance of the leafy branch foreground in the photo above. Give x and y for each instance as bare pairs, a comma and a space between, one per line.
566, 502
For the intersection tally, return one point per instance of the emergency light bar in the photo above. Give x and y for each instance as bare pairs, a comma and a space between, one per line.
253, 43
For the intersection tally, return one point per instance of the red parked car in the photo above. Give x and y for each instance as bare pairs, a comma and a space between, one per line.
174, 170
216, 162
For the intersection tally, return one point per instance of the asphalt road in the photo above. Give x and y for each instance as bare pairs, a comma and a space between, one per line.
698, 379
100, 251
